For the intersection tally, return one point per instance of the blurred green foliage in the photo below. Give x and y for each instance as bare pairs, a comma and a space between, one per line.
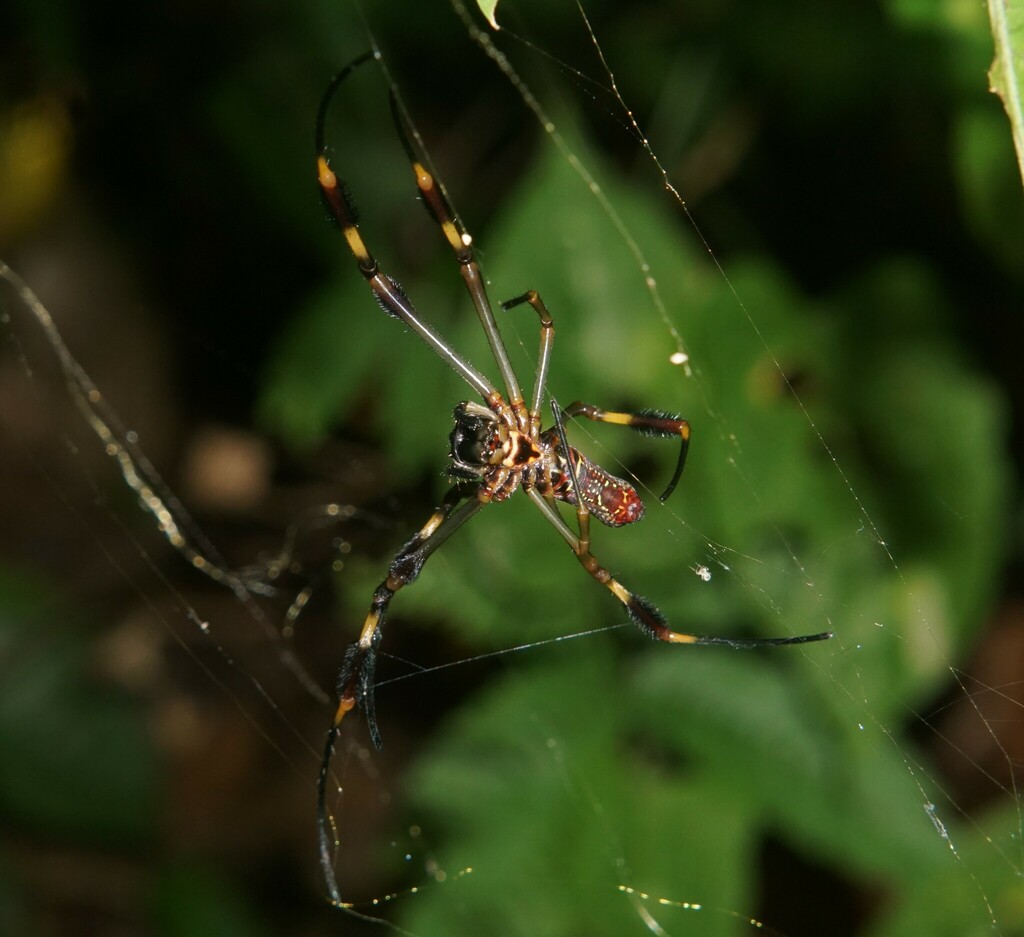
93, 734
859, 190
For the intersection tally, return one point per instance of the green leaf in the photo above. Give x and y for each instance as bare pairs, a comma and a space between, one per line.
317, 369
755, 727
538, 803
1006, 76
488, 7
973, 894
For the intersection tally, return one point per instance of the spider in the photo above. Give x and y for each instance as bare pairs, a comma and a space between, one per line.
497, 448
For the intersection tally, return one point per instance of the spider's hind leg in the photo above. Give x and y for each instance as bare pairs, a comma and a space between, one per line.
642, 612
356, 678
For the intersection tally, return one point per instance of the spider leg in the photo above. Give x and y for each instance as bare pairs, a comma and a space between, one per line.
547, 338
433, 194
389, 294
356, 678
645, 422
643, 613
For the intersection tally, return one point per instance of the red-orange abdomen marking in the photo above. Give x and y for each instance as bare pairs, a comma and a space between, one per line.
611, 500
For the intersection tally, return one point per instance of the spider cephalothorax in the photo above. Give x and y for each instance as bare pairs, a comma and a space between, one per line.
503, 453
503, 460
497, 448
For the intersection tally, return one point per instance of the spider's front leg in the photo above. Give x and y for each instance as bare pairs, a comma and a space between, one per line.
547, 338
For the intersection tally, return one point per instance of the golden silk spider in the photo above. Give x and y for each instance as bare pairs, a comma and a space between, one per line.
497, 448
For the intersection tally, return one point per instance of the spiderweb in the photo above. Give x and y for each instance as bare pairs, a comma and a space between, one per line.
846, 474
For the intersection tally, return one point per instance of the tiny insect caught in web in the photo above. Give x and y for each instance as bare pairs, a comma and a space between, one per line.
497, 447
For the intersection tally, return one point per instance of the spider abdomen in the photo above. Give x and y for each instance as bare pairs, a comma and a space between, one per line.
611, 500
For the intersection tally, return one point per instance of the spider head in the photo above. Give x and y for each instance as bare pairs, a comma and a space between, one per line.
473, 438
